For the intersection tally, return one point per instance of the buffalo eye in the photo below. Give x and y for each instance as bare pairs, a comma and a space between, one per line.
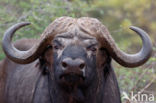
92, 48
57, 45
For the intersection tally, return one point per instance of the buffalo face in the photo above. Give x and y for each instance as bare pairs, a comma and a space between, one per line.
74, 56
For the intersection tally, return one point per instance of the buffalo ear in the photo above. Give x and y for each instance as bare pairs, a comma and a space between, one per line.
46, 59
103, 58
47, 56
107, 67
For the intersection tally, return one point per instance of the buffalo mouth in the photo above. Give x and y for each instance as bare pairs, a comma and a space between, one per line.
72, 79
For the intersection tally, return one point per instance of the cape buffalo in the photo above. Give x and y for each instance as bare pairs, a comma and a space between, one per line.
70, 63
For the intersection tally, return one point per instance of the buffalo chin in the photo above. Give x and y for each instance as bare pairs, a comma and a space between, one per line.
71, 80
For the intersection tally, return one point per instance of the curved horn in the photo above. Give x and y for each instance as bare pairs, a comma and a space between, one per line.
132, 60
22, 57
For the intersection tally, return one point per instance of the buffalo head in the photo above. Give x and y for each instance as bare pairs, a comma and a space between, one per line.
75, 50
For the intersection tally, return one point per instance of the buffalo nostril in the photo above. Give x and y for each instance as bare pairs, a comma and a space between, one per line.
81, 66
64, 64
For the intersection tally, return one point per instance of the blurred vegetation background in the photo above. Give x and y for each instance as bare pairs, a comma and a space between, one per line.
117, 15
